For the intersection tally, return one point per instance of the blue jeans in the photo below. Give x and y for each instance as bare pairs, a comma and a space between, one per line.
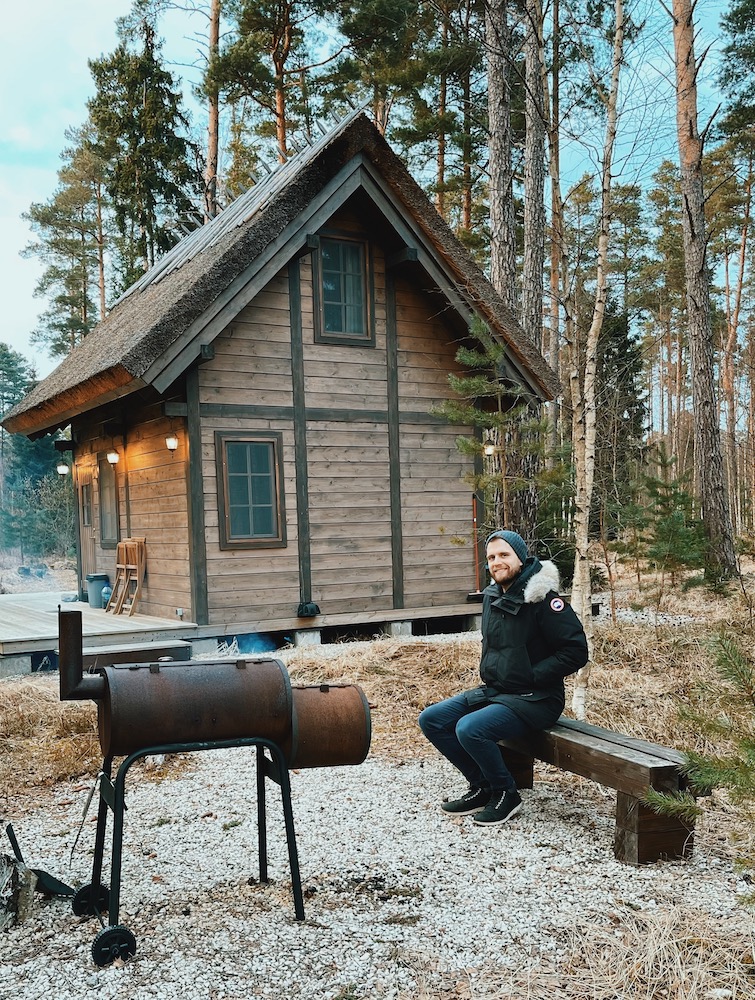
467, 736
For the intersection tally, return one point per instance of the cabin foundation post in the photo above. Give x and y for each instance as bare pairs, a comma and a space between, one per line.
15, 665
397, 630
307, 637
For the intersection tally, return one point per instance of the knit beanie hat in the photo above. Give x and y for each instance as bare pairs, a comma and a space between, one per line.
516, 542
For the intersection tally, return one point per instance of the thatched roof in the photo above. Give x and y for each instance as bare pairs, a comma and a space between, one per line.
160, 324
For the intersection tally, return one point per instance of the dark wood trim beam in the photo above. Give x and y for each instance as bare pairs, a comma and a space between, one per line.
300, 434
195, 492
394, 444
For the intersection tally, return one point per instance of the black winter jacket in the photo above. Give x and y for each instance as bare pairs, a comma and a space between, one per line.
531, 640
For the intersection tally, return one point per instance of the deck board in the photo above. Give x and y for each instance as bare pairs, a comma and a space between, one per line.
29, 623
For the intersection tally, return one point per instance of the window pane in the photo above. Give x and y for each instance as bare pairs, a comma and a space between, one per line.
332, 318
108, 504
236, 457
251, 490
262, 490
343, 276
240, 526
261, 458
238, 490
264, 522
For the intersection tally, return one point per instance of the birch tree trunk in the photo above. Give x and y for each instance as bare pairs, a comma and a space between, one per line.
213, 123
721, 560
582, 382
502, 232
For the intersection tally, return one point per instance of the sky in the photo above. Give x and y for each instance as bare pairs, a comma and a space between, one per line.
45, 83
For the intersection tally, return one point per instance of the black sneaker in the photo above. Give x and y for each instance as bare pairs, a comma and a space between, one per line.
471, 802
502, 807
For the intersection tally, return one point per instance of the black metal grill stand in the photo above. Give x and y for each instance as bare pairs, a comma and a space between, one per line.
115, 941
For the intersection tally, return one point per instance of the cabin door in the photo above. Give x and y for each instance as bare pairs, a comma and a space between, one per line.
86, 526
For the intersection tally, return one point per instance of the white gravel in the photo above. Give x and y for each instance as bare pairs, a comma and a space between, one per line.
400, 900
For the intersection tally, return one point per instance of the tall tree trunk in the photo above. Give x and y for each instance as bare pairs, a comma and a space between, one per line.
531, 314
583, 383
502, 229
728, 363
100, 253
440, 176
557, 249
721, 560
213, 123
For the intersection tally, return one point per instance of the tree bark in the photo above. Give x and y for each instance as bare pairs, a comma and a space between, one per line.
534, 176
213, 123
721, 558
502, 230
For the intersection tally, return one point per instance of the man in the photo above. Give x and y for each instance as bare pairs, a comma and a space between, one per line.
531, 640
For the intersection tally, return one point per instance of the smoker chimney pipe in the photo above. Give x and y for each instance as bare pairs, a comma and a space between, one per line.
74, 686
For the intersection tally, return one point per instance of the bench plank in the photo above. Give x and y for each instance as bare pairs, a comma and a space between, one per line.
667, 753
631, 766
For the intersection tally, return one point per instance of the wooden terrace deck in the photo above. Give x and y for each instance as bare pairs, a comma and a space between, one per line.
29, 624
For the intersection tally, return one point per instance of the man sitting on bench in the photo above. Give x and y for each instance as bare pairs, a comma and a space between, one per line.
531, 640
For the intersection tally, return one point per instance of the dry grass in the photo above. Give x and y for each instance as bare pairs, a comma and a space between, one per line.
669, 955
43, 740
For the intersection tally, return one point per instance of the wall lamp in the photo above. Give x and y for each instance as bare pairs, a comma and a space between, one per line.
113, 456
62, 468
488, 447
171, 442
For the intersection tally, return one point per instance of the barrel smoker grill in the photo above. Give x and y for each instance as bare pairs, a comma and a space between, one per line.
165, 707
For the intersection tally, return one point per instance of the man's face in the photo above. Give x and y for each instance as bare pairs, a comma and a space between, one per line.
503, 563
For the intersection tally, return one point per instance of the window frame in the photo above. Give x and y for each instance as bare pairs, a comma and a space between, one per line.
323, 336
107, 541
227, 541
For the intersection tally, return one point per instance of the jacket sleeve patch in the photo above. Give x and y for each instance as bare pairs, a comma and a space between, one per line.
557, 604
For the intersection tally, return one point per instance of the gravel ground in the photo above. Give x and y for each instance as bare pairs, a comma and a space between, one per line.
400, 900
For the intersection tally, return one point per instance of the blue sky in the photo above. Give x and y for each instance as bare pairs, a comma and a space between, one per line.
45, 83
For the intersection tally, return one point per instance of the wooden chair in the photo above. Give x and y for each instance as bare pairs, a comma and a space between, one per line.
130, 566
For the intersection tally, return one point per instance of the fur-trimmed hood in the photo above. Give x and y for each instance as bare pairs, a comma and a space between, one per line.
543, 580
535, 580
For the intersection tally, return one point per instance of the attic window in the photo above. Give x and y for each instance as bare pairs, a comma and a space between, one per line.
342, 308
250, 490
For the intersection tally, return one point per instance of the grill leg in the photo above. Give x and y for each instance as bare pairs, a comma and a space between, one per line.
288, 813
261, 814
99, 840
116, 857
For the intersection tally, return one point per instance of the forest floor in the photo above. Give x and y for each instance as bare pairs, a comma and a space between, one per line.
34, 576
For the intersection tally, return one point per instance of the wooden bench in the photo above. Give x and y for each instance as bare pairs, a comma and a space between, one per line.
631, 766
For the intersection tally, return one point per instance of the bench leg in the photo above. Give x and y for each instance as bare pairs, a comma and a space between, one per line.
642, 836
520, 765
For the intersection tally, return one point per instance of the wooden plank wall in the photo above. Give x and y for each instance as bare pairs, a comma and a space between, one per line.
436, 505
251, 369
348, 461
158, 512
152, 504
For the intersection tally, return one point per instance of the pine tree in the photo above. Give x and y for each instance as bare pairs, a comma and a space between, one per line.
153, 173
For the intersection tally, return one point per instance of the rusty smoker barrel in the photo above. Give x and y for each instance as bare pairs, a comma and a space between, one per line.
331, 725
193, 701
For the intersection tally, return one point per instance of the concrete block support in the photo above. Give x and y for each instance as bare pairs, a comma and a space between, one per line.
307, 637
397, 630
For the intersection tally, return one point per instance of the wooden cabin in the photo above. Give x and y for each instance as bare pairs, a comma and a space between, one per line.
291, 353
